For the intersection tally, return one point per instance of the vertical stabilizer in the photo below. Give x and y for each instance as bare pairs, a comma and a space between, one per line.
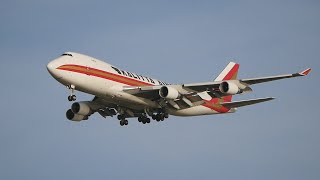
229, 73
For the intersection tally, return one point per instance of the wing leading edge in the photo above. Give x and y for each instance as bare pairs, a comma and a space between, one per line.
273, 78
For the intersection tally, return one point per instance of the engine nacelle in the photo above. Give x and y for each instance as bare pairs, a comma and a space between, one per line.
168, 92
81, 108
75, 117
229, 88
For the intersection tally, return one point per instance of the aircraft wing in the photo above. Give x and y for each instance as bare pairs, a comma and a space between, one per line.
273, 78
242, 83
196, 93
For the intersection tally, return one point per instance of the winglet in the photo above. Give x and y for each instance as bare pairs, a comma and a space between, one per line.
305, 72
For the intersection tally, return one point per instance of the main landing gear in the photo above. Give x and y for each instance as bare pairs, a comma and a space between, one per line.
123, 121
160, 116
72, 97
144, 119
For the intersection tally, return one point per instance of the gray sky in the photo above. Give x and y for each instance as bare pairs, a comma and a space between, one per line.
174, 41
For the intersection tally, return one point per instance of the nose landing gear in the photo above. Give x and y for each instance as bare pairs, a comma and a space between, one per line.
72, 97
72, 88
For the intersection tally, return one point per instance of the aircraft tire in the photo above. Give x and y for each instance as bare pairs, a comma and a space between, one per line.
119, 117
154, 117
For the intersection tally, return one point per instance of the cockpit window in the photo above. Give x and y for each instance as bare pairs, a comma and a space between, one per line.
66, 54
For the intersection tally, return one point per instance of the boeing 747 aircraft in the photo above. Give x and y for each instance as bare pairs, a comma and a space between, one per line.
127, 95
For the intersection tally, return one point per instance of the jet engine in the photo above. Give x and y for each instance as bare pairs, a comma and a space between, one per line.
168, 92
229, 88
81, 108
75, 117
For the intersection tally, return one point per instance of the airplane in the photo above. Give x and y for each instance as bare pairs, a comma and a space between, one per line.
127, 95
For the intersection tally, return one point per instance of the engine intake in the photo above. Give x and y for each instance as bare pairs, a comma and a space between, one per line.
75, 117
168, 92
81, 108
229, 88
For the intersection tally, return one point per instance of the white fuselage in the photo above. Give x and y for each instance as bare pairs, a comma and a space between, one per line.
103, 80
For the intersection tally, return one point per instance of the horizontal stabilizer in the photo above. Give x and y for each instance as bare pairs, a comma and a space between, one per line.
245, 102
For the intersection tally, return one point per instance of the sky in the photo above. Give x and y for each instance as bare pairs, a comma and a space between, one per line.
177, 42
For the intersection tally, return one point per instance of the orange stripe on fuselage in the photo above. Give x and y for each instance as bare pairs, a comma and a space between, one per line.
213, 104
103, 74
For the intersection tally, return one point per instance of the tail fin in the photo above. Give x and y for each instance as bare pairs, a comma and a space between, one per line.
229, 73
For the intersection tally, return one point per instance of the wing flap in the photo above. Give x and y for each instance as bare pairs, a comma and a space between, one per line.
237, 104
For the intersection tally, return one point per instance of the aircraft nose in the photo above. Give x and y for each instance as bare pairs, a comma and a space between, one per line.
52, 68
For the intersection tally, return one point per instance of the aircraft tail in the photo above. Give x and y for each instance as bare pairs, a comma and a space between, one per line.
230, 72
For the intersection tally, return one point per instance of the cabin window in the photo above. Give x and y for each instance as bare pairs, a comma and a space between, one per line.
116, 69
66, 54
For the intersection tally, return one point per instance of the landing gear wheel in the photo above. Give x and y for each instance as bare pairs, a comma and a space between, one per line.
158, 118
166, 115
72, 98
148, 120
123, 122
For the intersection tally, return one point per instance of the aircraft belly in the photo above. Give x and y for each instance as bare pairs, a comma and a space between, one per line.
135, 102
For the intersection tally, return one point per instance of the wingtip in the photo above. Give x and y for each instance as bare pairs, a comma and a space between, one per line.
269, 98
305, 72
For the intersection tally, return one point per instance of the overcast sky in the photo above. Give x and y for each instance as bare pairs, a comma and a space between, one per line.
177, 42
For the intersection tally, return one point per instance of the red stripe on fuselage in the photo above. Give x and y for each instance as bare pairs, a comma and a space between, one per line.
103, 74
